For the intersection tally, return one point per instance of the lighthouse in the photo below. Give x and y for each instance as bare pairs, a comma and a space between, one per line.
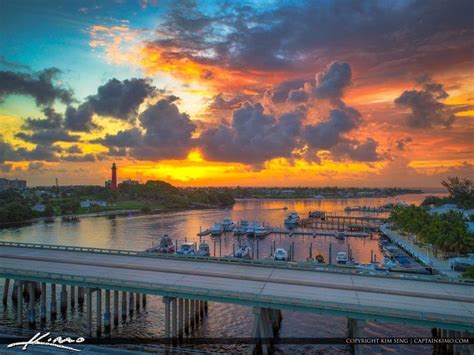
113, 183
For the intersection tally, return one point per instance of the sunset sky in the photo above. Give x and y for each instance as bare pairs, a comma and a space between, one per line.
225, 93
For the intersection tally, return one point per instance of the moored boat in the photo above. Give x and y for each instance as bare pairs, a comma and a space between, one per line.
167, 246
203, 249
186, 248
241, 228
216, 230
227, 224
261, 231
243, 252
292, 220
280, 254
341, 258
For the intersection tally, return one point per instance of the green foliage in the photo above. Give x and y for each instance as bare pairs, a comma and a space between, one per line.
14, 207
461, 193
469, 273
447, 232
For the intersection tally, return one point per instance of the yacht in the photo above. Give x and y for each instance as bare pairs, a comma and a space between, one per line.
243, 252
388, 263
261, 231
203, 249
186, 248
167, 245
250, 231
241, 228
227, 224
317, 214
280, 254
342, 258
216, 230
292, 219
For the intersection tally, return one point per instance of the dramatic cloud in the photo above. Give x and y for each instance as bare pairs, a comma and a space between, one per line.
327, 134
40, 86
402, 142
356, 151
79, 158
48, 136
80, 119
126, 138
426, 108
253, 137
120, 99
331, 83
53, 120
226, 102
281, 92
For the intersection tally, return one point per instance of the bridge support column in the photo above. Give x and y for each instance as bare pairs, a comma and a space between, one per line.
166, 301
89, 311
180, 317
99, 311
80, 296
107, 312
54, 308
174, 313
205, 307
262, 329
131, 303
144, 300
137, 302
355, 329
31, 308
192, 315
19, 304
124, 306
186, 316
5, 291
116, 308
14, 291
73, 296
43, 303
63, 299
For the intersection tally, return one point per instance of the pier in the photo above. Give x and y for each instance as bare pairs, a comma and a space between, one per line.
188, 285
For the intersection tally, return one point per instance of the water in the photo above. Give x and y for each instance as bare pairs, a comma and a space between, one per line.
141, 232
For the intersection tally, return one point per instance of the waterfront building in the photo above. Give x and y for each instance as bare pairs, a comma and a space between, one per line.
16, 184
130, 182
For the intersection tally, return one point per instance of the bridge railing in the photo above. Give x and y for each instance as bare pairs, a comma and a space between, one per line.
245, 298
301, 265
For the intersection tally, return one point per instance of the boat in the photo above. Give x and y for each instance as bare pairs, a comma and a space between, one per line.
243, 252
216, 230
227, 224
318, 197
203, 249
241, 228
186, 248
261, 231
292, 220
341, 258
388, 263
317, 214
250, 231
280, 254
167, 245
340, 235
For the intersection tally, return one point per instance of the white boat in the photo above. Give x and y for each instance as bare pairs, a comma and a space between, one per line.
241, 228
388, 263
292, 219
227, 224
203, 249
318, 197
280, 254
261, 231
250, 231
186, 248
216, 230
243, 252
342, 258
167, 245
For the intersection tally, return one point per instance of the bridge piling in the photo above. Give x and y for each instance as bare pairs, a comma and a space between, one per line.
73, 296
180, 318
355, 328
43, 303
166, 301
5, 291
186, 316
174, 310
144, 300
53, 307
99, 311
116, 308
131, 300
124, 306
262, 330
80, 296
89, 311
31, 308
192, 315
14, 291
63, 299
137, 302
107, 312
19, 304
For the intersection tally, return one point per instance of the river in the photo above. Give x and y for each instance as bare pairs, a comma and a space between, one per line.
142, 231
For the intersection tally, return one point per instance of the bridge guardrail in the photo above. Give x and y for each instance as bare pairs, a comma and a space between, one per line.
241, 297
301, 265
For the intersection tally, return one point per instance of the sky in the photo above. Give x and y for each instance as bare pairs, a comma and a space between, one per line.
237, 93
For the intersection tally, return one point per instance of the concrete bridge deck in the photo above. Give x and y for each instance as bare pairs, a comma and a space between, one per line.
437, 304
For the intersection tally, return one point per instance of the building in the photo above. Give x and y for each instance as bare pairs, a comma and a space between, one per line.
130, 182
113, 183
16, 184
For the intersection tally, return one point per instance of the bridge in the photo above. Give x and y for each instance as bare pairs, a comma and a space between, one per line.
188, 284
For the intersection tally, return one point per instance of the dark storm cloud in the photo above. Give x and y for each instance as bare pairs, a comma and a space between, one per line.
79, 158
40, 152
80, 119
52, 120
382, 35
120, 99
280, 92
166, 134
227, 102
402, 142
7, 152
5, 168
73, 149
298, 96
40, 86
327, 134
48, 136
426, 108
356, 151
252, 137
331, 83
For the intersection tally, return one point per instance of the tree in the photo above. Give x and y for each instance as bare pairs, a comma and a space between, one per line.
461, 191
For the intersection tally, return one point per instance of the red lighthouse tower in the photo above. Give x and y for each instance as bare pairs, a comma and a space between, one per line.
113, 183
